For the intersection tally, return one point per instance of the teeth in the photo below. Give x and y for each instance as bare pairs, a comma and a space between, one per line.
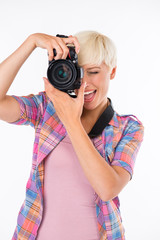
86, 93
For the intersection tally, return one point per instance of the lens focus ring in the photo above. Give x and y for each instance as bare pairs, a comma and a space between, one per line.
62, 73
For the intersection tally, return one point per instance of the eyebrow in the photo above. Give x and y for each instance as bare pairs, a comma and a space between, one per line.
92, 68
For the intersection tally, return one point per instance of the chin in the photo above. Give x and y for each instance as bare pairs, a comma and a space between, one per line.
89, 107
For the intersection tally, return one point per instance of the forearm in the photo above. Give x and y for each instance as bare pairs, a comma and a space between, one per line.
100, 174
11, 65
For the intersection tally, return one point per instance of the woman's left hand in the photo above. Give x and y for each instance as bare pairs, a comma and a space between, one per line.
68, 109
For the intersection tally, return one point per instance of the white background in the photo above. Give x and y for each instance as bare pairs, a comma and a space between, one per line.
134, 27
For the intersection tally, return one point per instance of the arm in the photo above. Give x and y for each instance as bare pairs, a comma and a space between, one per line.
13, 63
9, 107
106, 180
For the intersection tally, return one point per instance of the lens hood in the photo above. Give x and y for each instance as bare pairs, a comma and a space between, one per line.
62, 74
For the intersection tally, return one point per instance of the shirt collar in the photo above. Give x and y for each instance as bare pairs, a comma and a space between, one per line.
108, 117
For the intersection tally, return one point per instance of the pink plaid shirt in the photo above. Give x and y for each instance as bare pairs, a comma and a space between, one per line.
118, 143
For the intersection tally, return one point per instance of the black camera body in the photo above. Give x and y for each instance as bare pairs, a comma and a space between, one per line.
65, 74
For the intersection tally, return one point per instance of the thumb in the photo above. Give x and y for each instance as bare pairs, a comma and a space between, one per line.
45, 79
47, 83
81, 90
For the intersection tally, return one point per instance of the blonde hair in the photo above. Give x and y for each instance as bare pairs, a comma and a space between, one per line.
96, 48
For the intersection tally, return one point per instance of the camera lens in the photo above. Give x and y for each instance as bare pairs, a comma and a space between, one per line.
62, 73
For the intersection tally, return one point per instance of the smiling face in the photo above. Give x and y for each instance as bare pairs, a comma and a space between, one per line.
97, 79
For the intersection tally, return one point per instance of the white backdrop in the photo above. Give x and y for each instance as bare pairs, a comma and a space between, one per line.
134, 27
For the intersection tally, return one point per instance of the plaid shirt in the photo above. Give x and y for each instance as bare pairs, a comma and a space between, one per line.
118, 143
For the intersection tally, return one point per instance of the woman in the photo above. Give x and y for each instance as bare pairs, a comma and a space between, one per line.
84, 151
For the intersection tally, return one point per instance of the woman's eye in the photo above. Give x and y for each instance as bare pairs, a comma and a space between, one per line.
93, 72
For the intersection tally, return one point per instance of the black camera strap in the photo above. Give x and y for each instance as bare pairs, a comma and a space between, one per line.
61, 36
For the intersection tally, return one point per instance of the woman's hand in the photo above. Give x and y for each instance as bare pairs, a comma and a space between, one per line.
49, 42
68, 109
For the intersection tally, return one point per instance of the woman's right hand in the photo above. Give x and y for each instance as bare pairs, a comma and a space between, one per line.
49, 42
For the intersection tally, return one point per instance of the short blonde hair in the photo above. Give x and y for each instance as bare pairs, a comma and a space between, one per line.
96, 48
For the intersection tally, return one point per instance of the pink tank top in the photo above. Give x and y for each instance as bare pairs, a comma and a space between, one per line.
69, 201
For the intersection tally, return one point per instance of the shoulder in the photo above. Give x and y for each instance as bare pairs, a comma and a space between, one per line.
124, 120
130, 126
124, 130
123, 124
129, 121
42, 99
46, 105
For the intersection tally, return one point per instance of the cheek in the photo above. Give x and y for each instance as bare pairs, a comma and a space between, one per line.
103, 90
104, 84
101, 82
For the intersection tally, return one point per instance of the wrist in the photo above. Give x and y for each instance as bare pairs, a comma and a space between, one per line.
73, 126
31, 40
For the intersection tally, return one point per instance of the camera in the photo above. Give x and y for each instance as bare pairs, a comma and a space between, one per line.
65, 74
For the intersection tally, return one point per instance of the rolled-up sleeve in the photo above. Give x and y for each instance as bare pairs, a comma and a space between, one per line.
128, 147
31, 108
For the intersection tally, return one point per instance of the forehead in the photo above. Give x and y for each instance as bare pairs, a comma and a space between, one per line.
91, 66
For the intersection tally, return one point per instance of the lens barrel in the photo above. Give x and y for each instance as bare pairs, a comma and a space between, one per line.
62, 74
65, 74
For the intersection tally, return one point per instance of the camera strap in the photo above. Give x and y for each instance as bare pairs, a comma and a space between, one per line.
61, 36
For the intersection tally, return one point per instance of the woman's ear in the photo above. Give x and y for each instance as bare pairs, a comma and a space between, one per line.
113, 73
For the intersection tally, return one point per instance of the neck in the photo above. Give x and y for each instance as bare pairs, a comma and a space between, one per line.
94, 114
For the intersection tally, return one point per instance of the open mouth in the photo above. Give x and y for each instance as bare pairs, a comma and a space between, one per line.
89, 96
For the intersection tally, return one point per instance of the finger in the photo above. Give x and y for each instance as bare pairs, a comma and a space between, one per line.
48, 85
53, 89
57, 44
59, 51
81, 91
74, 41
65, 49
46, 80
50, 53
